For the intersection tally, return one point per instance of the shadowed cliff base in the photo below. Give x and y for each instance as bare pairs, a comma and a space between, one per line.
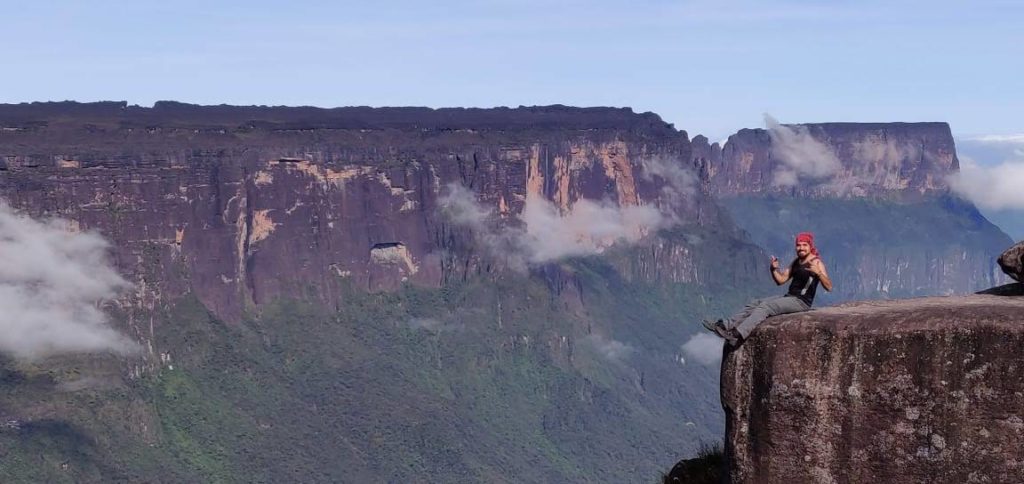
917, 390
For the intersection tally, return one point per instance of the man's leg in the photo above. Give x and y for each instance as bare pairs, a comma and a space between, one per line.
738, 318
770, 307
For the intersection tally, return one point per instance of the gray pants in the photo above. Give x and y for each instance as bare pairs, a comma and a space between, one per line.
760, 309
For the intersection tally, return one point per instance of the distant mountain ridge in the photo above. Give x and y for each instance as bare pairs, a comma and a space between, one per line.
873, 159
884, 215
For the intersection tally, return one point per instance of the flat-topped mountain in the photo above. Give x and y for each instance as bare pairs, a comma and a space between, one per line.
833, 160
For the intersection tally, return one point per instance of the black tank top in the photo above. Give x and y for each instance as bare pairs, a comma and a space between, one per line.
804, 284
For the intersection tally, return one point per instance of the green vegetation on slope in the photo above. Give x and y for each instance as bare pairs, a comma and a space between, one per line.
496, 379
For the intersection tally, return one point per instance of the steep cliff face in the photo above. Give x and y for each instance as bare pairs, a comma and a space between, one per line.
300, 289
876, 196
920, 390
244, 205
870, 159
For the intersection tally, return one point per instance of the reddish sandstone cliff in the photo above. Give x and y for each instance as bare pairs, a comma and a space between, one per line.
244, 205
872, 159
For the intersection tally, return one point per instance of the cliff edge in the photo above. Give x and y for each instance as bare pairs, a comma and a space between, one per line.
917, 390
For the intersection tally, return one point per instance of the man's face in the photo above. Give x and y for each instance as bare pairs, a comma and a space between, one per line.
802, 249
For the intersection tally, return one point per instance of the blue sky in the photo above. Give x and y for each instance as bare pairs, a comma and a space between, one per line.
710, 67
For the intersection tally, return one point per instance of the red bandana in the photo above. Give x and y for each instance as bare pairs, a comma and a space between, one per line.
809, 238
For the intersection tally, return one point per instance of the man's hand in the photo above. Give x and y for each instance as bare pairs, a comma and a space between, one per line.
780, 277
816, 268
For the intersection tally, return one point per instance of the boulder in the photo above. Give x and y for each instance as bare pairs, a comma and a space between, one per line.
917, 390
1012, 261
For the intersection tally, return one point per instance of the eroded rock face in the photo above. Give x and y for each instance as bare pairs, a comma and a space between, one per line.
1012, 262
920, 390
244, 205
871, 159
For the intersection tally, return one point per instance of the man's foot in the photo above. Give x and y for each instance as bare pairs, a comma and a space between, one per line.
733, 337
714, 326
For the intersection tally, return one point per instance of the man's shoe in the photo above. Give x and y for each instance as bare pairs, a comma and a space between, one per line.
718, 327
713, 326
733, 337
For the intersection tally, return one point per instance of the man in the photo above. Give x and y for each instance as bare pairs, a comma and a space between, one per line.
806, 272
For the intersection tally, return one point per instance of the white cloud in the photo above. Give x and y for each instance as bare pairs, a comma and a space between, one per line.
680, 184
52, 280
588, 227
993, 148
995, 187
703, 348
1000, 138
609, 349
802, 156
543, 233
888, 153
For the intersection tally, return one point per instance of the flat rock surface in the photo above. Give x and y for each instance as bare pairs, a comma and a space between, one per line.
916, 390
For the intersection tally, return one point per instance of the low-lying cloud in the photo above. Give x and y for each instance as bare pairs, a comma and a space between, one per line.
544, 233
679, 183
888, 153
434, 325
52, 281
703, 348
587, 228
996, 187
609, 349
802, 156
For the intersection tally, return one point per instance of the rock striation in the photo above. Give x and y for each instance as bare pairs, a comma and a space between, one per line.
918, 390
245, 205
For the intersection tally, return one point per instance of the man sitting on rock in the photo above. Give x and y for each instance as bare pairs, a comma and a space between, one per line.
806, 271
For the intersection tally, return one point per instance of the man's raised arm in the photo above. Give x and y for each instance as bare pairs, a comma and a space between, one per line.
780, 277
818, 269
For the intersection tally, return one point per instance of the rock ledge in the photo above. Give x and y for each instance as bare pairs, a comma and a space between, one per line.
917, 390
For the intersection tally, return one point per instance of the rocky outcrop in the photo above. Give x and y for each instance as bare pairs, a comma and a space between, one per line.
1012, 262
920, 390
